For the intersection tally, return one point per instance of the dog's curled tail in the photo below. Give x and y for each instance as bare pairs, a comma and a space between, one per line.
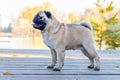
86, 24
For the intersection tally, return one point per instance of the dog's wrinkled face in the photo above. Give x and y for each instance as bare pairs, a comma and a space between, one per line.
41, 19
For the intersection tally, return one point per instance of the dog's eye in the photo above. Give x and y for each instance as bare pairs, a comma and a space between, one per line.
40, 17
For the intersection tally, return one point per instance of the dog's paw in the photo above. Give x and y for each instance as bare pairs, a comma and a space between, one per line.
56, 69
97, 69
90, 67
50, 67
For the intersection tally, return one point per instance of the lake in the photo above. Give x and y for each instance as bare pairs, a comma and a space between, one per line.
22, 43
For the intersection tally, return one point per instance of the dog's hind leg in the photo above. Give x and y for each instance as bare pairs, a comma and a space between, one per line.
91, 66
92, 54
97, 59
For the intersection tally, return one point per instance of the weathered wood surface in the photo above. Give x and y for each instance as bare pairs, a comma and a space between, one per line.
33, 66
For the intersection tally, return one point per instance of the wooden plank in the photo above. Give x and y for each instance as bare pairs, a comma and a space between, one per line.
112, 54
48, 62
48, 51
63, 72
72, 64
59, 77
45, 67
110, 64
15, 59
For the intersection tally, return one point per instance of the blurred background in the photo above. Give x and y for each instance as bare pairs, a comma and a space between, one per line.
16, 31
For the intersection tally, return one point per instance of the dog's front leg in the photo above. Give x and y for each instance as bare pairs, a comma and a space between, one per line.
54, 59
60, 60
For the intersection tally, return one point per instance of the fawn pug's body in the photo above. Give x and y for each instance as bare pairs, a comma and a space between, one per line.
60, 37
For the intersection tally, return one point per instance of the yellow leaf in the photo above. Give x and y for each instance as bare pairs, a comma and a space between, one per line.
6, 73
15, 55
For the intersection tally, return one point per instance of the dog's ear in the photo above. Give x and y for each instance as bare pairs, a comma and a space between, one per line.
48, 14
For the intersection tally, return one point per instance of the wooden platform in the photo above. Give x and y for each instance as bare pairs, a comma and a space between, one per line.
31, 65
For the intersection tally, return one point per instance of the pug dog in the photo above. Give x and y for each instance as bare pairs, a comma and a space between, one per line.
60, 37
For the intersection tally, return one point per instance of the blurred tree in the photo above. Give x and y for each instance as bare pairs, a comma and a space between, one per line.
107, 21
105, 18
73, 18
29, 13
112, 37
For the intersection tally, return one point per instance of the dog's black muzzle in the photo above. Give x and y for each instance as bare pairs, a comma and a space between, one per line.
39, 24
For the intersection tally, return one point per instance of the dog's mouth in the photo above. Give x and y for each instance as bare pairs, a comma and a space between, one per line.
36, 25
39, 26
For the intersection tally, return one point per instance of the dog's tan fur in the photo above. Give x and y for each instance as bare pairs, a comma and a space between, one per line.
60, 37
